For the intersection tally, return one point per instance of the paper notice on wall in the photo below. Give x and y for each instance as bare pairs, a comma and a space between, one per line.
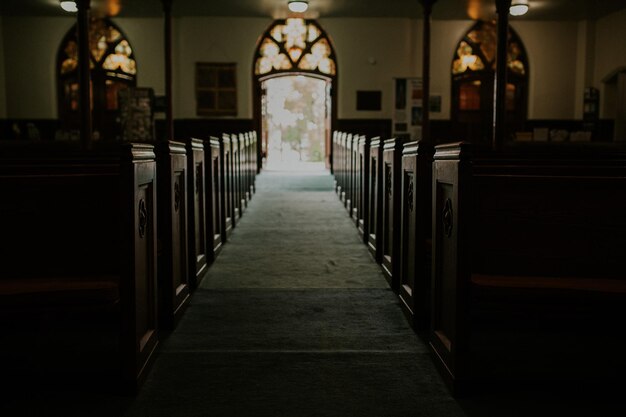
408, 105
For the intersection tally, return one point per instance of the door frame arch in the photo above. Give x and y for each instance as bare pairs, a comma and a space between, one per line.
294, 69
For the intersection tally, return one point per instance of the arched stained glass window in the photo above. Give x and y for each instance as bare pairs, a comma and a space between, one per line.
113, 68
473, 72
477, 51
297, 45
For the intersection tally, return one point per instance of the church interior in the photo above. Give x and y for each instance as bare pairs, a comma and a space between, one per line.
312, 207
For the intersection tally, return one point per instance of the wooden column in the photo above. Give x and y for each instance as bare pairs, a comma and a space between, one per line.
427, 6
84, 72
499, 107
169, 115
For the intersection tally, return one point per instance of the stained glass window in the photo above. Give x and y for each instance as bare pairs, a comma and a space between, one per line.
473, 73
295, 44
113, 68
477, 51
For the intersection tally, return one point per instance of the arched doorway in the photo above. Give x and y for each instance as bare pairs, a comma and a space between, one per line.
294, 49
113, 68
473, 72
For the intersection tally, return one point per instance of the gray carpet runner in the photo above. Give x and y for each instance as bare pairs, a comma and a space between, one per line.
294, 319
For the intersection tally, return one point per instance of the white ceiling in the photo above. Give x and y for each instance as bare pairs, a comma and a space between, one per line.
443, 9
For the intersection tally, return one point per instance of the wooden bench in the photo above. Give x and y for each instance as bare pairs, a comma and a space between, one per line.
236, 170
375, 201
390, 233
415, 234
173, 265
528, 267
217, 221
354, 178
79, 265
362, 185
346, 190
199, 255
254, 151
227, 173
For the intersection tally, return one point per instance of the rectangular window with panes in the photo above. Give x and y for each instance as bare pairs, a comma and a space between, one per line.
216, 89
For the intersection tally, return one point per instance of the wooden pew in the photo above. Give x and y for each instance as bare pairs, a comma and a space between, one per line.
237, 201
227, 175
528, 267
346, 142
354, 178
255, 159
79, 266
340, 164
217, 221
375, 182
173, 266
362, 183
335, 158
390, 233
415, 234
199, 255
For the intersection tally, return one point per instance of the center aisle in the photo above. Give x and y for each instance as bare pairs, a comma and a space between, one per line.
294, 319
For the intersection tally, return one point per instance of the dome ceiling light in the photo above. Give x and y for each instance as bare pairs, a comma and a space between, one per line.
519, 7
298, 6
69, 6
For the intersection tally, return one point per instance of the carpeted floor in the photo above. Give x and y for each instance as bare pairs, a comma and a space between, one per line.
293, 320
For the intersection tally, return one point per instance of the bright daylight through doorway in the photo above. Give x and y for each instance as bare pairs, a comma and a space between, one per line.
295, 122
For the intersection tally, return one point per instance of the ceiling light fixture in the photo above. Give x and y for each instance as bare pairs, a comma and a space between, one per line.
298, 6
519, 7
69, 6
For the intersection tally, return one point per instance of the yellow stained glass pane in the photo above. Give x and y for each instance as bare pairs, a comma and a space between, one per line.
123, 48
314, 33
71, 62
282, 62
321, 48
263, 65
269, 48
122, 62
517, 67
466, 60
99, 49
513, 61
486, 37
307, 63
295, 53
114, 35
277, 33
295, 33
327, 66
98, 38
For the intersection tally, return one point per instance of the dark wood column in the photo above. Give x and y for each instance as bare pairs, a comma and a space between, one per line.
499, 110
427, 6
84, 73
169, 114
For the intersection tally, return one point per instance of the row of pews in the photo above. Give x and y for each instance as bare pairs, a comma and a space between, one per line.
508, 263
102, 248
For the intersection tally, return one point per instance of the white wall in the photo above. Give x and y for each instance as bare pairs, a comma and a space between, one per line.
610, 48
3, 94
30, 58
214, 39
444, 37
357, 41
551, 49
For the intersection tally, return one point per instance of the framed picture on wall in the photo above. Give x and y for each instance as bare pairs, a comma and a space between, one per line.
216, 89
